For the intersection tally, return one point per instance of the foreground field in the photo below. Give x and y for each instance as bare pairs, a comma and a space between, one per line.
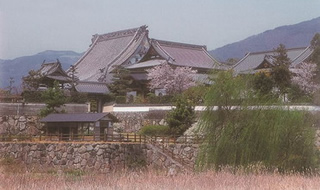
151, 181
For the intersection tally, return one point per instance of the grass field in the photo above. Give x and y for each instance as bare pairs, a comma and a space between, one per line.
154, 180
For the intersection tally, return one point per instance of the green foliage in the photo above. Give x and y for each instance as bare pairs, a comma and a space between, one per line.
226, 90
280, 72
181, 117
54, 98
77, 97
120, 99
153, 99
196, 94
32, 96
121, 81
242, 136
155, 130
315, 42
296, 95
33, 80
262, 84
281, 57
315, 56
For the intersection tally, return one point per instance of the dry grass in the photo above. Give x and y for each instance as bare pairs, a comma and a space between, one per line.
155, 180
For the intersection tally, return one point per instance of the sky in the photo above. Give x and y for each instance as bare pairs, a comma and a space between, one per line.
28, 27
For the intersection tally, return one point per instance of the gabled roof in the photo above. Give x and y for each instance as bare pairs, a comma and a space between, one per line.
107, 50
75, 117
252, 61
92, 87
186, 55
54, 71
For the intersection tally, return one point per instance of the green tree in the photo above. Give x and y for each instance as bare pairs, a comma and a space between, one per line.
315, 56
54, 99
280, 72
315, 44
262, 84
32, 81
181, 117
121, 81
241, 136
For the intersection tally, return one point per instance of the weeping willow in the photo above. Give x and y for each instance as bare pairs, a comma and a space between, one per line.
242, 130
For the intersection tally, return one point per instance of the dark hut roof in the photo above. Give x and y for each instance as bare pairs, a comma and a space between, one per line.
251, 61
75, 117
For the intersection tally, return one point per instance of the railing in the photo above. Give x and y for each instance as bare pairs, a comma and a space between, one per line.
122, 137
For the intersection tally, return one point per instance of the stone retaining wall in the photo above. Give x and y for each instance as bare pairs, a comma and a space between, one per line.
19, 125
100, 157
133, 121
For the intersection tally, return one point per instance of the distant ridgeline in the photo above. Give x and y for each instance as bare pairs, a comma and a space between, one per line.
292, 36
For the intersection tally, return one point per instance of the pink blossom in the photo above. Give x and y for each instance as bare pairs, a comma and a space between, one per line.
172, 80
303, 75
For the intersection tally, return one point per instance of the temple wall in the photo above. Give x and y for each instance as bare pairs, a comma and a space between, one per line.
32, 109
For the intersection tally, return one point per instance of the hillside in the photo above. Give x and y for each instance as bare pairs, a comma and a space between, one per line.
297, 35
19, 67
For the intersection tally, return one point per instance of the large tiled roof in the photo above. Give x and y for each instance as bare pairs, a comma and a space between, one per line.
252, 60
75, 117
187, 55
108, 50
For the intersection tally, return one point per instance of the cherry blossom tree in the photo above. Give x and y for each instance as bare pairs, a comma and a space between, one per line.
172, 80
303, 75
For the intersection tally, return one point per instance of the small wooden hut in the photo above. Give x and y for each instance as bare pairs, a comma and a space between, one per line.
78, 125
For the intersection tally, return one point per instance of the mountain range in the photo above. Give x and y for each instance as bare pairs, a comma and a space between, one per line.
292, 36
19, 67
297, 35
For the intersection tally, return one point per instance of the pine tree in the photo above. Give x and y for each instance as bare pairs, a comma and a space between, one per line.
121, 81
181, 117
54, 99
280, 72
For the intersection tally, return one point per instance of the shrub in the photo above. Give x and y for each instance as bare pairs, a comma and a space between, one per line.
77, 97
120, 99
153, 99
32, 96
155, 130
181, 117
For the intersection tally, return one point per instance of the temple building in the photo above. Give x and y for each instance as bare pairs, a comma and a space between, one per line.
264, 61
135, 51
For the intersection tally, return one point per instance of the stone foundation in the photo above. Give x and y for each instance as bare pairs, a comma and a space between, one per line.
19, 125
100, 157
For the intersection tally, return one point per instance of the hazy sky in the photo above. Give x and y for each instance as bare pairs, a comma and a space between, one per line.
28, 27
